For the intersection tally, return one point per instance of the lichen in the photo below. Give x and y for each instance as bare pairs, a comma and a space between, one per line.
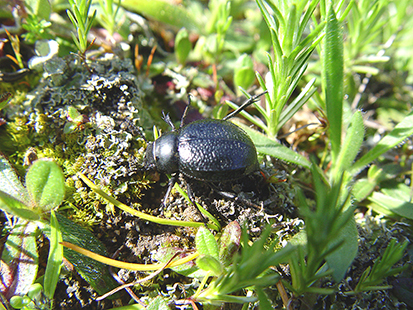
106, 144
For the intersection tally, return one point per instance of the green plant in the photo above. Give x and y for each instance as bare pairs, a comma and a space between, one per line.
79, 16
330, 227
362, 32
382, 268
34, 299
44, 192
217, 27
219, 262
4, 100
15, 44
145, 216
109, 15
249, 269
291, 52
37, 23
182, 46
330, 230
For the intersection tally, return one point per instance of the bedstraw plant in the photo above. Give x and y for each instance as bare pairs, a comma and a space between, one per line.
82, 21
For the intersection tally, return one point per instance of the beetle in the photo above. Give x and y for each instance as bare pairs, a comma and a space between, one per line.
209, 150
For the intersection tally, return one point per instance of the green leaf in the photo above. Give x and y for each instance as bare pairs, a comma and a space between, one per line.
229, 242
402, 131
267, 146
20, 259
297, 103
393, 201
165, 12
189, 269
209, 263
382, 267
365, 186
135, 307
74, 114
159, 303
9, 182
39, 8
336, 260
35, 291
182, 45
54, 261
244, 77
206, 243
333, 80
95, 273
263, 299
244, 74
16, 207
16, 302
352, 144
46, 184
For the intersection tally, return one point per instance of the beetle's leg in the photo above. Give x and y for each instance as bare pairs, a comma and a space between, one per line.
185, 111
250, 101
236, 197
191, 197
171, 184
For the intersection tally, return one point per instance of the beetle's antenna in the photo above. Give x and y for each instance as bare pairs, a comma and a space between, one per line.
185, 111
250, 101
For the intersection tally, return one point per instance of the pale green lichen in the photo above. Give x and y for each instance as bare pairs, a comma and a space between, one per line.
105, 144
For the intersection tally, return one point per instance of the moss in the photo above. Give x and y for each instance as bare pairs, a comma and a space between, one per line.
105, 142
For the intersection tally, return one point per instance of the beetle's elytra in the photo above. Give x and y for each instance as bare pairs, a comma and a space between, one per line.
208, 150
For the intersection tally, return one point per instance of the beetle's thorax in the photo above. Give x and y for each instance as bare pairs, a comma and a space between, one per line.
165, 152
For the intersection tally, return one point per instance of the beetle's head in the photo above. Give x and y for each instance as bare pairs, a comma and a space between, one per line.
162, 154
149, 160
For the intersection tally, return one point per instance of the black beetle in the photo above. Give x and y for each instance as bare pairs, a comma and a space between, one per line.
209, 150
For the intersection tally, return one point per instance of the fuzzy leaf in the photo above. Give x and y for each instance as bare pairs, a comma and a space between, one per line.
46, 184
9, 182
19, 260
206, 243
229, 242
389, 204
159, 303
336, 260
209, 263
189, 269
333, 80
16, 207
352, 143
402, 131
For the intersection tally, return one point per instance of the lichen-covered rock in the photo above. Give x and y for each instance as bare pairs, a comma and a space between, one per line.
89, 118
